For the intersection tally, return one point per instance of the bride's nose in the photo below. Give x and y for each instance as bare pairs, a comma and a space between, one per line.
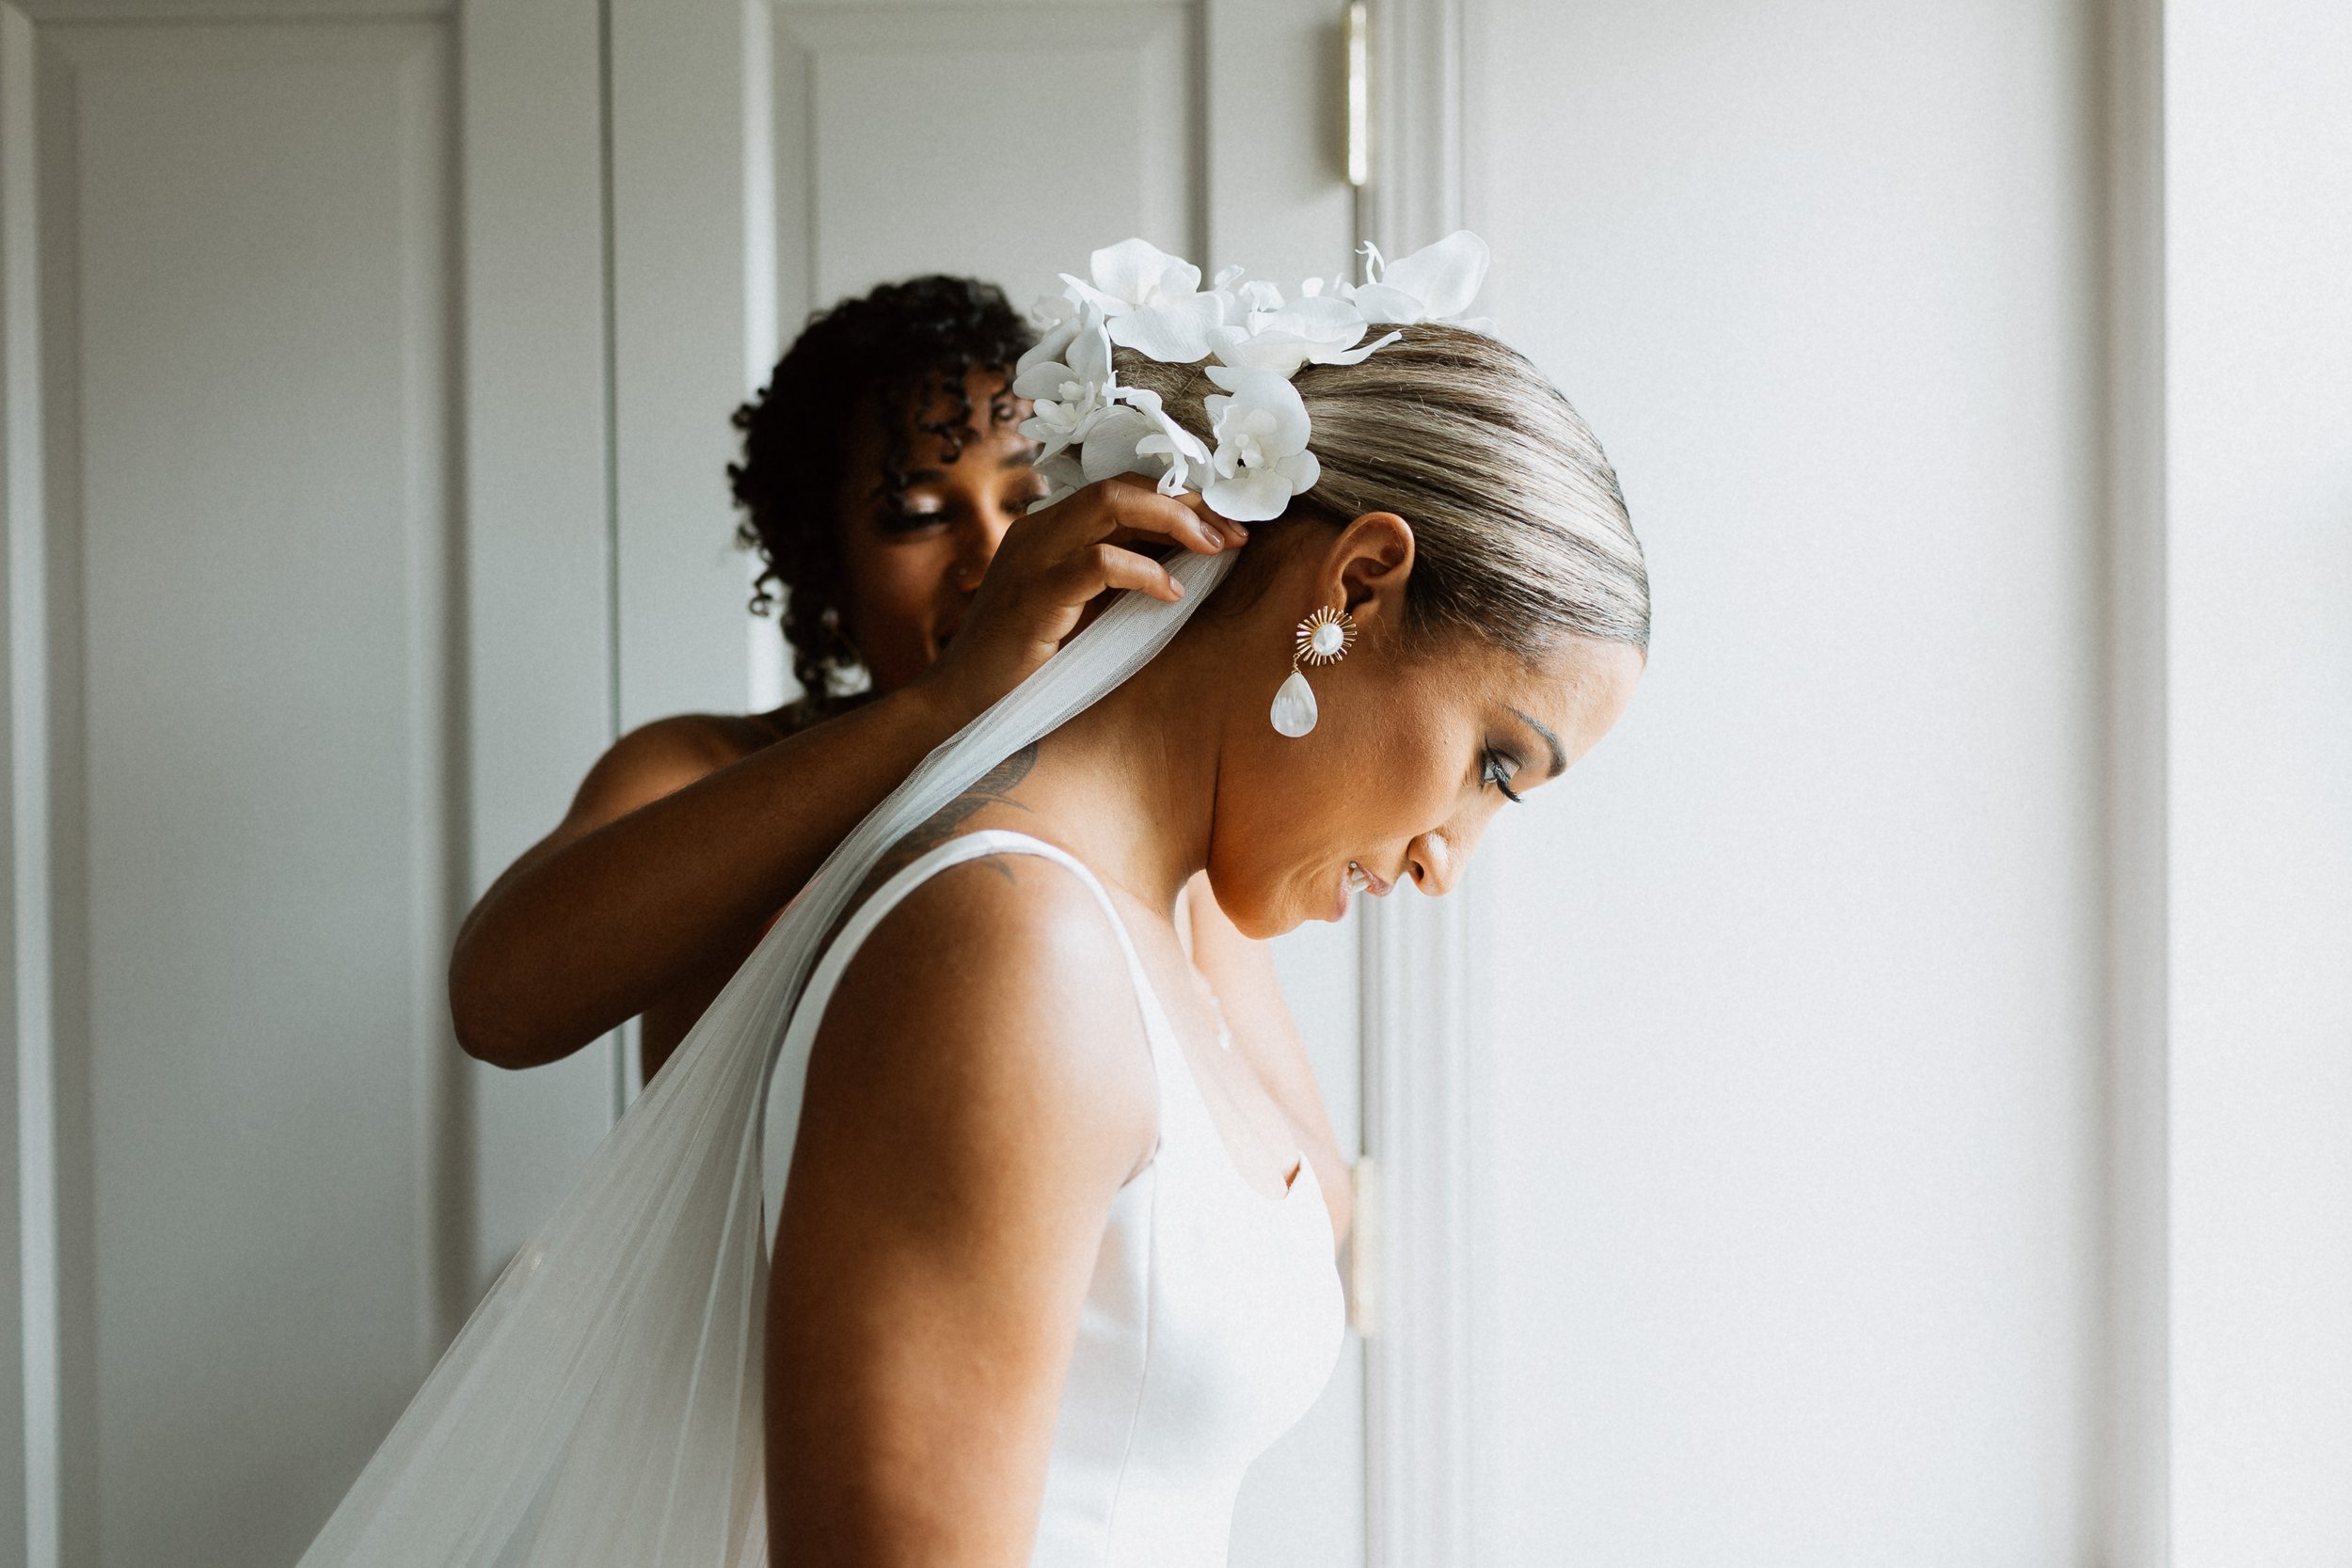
1434, 864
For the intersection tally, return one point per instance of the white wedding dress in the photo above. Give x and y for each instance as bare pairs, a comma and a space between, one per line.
1214, 1317
601, 1409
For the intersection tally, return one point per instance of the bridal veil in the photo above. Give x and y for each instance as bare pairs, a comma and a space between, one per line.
601, 1409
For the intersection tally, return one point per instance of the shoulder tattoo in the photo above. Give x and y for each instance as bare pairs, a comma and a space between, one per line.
992, 789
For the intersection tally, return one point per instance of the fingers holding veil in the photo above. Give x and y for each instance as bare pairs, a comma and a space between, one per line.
1052, 572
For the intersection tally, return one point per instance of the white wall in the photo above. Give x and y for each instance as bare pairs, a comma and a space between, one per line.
1795, 1021
2258, 411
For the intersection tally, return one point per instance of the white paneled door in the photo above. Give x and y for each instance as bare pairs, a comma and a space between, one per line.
770, 157
301, 313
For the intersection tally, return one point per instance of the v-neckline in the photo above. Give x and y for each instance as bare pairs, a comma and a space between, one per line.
1302, 1167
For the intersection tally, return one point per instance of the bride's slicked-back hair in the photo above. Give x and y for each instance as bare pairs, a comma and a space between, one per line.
1521, 532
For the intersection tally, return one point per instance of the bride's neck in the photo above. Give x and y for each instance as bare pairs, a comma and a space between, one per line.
1135, 776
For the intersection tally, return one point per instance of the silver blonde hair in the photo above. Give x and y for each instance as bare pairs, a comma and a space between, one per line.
1521, 532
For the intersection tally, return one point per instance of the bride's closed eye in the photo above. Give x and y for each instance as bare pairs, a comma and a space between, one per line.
1499, 769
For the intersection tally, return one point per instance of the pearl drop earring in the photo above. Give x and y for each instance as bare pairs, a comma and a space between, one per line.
1324, 637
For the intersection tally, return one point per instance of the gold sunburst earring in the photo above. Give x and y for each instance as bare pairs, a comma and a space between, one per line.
1324, 637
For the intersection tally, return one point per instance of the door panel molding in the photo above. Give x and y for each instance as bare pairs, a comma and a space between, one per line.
540, 694
1426, 1101
357, 475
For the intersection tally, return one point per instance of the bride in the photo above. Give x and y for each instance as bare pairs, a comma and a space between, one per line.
1047, 1274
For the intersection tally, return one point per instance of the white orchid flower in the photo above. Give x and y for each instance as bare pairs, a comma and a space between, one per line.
1058, 317
1435, 283
1262, 459
1317, 330
1070, 395
1138, 437
1250, 342
1152, 301
1259, 294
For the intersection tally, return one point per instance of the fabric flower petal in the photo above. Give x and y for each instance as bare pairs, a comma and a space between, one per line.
1262, 392
1059, 318
1251, 495
1090, 354
1042, 380
1141, 273
1049, 348
1175, 333
1062, 475
1110, 446
1087, 293
1317, 330
1180, 450
1362, 351
1279, 351
1383, 305
1444, 277
1324, 318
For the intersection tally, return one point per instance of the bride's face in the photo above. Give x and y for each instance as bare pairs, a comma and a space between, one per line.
1416, 748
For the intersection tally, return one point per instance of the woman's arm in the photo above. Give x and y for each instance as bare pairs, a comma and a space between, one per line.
979, 1091
1241, 972
645, 884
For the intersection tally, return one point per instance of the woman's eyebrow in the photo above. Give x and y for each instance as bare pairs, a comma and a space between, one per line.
1559, 756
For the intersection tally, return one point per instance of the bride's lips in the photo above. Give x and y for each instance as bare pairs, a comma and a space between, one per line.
1348, 885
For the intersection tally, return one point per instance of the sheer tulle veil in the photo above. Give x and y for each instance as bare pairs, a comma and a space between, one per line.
601, 1409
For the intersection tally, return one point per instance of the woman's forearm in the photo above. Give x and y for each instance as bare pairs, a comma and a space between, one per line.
587, 930
623, 904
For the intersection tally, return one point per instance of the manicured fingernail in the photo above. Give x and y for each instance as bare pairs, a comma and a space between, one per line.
1216, 540
1177, 585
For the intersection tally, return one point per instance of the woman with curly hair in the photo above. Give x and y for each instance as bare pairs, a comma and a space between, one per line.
883, 473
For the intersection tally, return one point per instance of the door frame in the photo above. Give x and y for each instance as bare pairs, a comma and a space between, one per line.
1427, 1099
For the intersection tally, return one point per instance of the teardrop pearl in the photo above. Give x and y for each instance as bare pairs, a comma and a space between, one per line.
1294, 712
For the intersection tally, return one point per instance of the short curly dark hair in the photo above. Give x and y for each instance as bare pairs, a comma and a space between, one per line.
887, 356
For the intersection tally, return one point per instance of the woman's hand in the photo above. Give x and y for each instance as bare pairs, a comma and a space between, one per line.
1051, 566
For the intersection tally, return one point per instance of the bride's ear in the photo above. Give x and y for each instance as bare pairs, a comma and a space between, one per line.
1367, 566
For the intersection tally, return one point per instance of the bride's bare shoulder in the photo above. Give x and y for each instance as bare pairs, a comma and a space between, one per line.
993, 1002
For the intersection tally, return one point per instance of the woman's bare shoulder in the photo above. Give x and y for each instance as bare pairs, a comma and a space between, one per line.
663, 757
995, 1000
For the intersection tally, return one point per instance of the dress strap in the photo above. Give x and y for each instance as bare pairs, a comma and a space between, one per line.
789, 1072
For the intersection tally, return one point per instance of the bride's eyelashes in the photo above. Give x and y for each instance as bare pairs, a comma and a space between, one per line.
1499, 769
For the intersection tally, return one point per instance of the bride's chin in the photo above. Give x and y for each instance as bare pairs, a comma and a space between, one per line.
1259, 913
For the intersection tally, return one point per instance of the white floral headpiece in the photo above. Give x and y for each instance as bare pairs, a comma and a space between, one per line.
1252, 342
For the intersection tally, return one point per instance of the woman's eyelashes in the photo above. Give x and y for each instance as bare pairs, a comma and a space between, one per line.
912, 516
918, 514
1499, 770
